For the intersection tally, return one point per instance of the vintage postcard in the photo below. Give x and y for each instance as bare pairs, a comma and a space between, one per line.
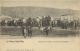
39, 25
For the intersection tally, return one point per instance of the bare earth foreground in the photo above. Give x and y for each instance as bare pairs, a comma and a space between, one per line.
16, 33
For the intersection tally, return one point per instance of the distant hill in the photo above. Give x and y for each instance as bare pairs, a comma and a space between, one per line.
23, 11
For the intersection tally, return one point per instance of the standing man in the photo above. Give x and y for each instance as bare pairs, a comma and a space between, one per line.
29, 30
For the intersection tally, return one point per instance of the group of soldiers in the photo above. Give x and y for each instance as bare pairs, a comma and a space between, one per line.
40, 22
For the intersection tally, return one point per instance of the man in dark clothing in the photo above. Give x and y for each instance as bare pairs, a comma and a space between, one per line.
3, 23
29, 31
75, 24
29, 21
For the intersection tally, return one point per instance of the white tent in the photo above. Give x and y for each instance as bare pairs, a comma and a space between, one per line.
5, 17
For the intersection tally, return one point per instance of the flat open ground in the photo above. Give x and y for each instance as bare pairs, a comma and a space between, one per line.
16, 32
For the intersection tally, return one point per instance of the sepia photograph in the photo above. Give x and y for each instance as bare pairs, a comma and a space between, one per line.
38, 21
39, 25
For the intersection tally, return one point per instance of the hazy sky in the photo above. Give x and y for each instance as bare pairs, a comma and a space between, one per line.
62, 4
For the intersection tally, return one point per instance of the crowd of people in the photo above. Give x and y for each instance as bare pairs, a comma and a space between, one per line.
36, 22
40, 22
